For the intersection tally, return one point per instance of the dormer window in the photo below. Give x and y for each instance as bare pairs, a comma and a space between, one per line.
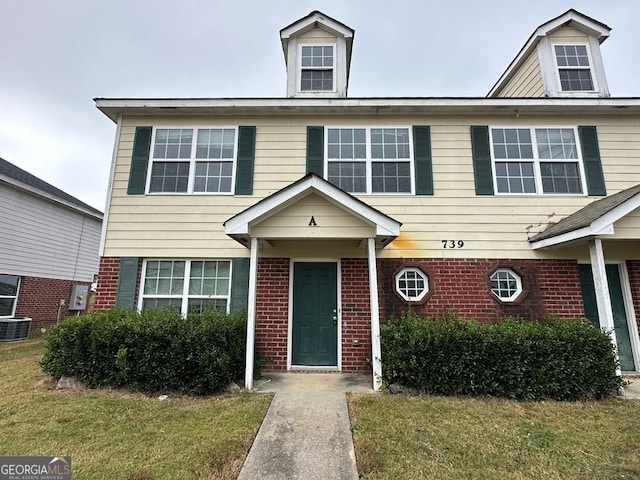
317, 51
562, 58
316, 63
574, 68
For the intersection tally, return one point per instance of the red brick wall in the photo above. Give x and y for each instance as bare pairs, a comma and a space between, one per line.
356, 316
633, 268
39, 298
272, 312
462, 286
108, 282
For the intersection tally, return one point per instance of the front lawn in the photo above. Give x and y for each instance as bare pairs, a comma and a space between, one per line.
450, 437
119, 435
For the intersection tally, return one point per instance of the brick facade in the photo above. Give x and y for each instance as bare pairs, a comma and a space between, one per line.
356, 315
462, 286
272, 312
39, 298
107, 283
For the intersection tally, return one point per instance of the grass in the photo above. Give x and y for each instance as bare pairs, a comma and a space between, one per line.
120, 435
443, 438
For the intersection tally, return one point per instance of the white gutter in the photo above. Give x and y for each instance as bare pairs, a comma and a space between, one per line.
381, 102
367, 106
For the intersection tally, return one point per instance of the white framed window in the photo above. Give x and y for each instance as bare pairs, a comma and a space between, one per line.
412, 284
317, 68
370, 159
193, 160
539, 160
574, 68
506, 284
9, 288
190, 286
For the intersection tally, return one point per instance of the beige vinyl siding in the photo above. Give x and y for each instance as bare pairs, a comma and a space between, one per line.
294, 222
490, 226
526, 81
317, 35
568, 35
628, 227
40, 238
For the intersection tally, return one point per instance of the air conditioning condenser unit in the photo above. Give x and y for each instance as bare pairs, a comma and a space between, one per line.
14, 329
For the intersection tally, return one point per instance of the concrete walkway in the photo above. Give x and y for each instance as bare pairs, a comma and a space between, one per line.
632, 391
306, 433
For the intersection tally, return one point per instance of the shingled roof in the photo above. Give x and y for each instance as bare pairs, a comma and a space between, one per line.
21, 178
587, 215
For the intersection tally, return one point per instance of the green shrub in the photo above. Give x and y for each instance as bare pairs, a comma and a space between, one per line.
555, 359
155, 350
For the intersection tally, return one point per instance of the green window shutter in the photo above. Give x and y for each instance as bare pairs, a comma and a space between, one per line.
481, 153
422, 160
591, 159
239, 284
246, 160
139, 161
315, 150
127, 281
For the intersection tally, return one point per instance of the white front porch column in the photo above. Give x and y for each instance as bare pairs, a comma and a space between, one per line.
376, 352
251, 314
603, 298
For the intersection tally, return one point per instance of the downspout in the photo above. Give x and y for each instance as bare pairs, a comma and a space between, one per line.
75, 266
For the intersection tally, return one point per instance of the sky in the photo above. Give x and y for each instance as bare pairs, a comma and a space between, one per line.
57, 55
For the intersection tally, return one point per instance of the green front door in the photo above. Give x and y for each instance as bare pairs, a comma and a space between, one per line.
620, 321
315, 326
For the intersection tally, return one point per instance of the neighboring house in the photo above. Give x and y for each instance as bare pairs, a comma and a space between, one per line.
49, 244
324, 215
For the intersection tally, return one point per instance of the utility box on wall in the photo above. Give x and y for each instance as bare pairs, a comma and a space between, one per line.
79, 294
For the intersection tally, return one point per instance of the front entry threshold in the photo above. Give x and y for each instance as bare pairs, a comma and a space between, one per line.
313, 368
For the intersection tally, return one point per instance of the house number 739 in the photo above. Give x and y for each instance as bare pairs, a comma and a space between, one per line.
452, 243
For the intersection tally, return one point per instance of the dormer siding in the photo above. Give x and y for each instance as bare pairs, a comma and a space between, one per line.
527, 81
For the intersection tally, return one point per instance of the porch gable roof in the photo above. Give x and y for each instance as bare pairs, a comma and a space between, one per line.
597, 218
238, 227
